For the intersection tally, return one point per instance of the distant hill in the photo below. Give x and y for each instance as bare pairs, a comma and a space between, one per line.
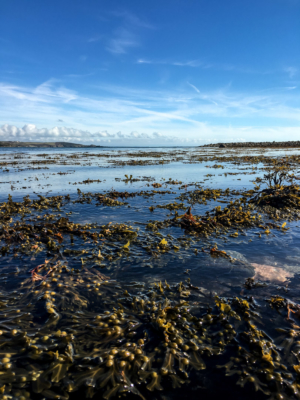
274, 144
43, 144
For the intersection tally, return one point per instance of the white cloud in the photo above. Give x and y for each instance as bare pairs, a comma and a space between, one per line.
190, 63
126, 36
292, 71
204, 65
122, 41
31, 132
104, 134
194, 87
132, 19
142, 61
96, 38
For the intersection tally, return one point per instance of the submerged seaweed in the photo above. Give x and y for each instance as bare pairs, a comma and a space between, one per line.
71, 330
67, 330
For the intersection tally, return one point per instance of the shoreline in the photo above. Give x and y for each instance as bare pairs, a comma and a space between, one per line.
16, 144
288, 144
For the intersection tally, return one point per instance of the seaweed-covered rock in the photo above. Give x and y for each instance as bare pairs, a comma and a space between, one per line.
279, 197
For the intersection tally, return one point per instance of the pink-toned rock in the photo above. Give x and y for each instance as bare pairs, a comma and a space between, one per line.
269, 273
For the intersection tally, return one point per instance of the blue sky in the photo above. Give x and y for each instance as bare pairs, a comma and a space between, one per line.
138, 73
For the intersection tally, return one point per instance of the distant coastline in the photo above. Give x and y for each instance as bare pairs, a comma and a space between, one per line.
44, 144
290, 144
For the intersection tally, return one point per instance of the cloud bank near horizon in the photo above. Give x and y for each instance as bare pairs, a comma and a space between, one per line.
31, 133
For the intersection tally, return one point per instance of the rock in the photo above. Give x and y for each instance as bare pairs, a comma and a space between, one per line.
271, 273
222, 146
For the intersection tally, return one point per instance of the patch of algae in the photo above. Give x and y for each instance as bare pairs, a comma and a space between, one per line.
66, 332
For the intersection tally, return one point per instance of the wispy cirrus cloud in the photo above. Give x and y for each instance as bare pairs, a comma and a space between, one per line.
178, 114
292, 71
127, 34
96, 38
204, 65
194, 87
122, 41
132, 19
190, 63
42, 93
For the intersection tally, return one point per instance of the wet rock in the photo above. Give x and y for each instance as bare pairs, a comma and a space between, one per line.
271, 273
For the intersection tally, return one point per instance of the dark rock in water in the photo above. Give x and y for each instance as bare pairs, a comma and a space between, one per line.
222, 146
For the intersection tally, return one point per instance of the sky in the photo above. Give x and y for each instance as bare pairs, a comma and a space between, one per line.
143, 73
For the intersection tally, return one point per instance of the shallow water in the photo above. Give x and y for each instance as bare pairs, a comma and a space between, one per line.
272, 258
